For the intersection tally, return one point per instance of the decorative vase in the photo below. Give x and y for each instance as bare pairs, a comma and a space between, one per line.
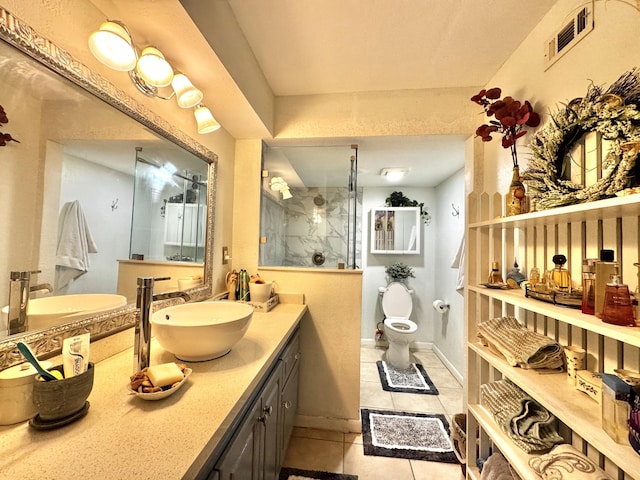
516, 199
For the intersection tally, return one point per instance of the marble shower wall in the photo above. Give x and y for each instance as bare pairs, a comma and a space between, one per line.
312, 224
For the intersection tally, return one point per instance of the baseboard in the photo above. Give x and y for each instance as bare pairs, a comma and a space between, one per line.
456, 374
344, 425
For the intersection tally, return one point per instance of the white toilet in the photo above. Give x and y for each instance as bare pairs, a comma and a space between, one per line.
400, 331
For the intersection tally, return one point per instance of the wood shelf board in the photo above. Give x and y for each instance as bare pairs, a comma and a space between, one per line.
630, 335
601, 209
574, 408
518, 458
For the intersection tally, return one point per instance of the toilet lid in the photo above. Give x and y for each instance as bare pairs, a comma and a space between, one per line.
396, 301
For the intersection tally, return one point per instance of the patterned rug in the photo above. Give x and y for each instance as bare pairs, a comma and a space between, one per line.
412, 380
297, 474
416, 436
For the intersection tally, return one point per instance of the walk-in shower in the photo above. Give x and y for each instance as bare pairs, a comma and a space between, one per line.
169, 209
311, 207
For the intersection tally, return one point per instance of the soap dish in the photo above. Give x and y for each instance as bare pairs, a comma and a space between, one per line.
163, 393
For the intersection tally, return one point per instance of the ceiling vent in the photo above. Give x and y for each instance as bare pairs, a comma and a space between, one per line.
579, 25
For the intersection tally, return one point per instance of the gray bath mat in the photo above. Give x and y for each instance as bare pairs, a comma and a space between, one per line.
416, 436
297, 474
412, 380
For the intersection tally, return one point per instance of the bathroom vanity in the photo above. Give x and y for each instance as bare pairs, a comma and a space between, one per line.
232, 412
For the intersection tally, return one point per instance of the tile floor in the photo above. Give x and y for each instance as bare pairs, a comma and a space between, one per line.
343, 453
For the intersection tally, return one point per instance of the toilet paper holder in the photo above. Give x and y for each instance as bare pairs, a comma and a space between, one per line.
440, 306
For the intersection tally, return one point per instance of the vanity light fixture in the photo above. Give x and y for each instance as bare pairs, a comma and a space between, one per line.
112, 44
393, 174
204, 119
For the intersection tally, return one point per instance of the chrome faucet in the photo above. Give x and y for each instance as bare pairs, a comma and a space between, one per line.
41, 287
144, 299
19, 289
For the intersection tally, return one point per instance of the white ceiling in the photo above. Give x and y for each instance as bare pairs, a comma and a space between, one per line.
329, 46
326, 46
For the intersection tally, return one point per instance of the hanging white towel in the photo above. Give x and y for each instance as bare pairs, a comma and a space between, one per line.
75, 243
458, 262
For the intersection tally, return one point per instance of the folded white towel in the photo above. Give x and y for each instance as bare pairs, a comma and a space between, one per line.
458, 262
74, 245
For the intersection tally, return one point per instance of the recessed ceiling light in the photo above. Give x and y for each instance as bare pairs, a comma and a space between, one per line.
393, 174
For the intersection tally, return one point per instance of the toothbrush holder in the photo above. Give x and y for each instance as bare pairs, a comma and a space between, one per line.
59, 399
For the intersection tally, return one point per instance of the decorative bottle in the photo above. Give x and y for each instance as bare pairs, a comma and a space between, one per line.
495, 277
589, 286
605, 269
559, 277
515, 277
516, 199
618, 309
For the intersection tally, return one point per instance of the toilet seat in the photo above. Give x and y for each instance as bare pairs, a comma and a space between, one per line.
401, 325
396, 301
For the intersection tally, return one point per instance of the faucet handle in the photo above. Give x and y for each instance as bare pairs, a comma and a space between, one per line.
24, 275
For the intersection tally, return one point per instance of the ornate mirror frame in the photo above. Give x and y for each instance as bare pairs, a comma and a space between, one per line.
49, 342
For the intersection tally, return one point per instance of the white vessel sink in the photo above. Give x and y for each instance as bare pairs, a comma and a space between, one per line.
196, 332
48, 311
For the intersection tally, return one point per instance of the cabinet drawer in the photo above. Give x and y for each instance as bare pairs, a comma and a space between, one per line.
291, 355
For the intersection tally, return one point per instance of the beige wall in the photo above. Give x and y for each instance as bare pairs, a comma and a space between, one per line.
330, 344
54, 18
601, 57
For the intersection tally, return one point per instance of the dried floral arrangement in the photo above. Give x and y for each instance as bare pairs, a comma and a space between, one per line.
511, 118
614, 113
5, 137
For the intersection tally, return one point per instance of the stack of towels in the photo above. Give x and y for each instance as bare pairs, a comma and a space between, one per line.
519, 346
527, 423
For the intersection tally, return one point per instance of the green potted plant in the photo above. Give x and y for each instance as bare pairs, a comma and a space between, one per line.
399, 271
398, 199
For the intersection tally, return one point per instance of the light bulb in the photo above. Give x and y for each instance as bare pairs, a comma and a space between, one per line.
153, 68
112, 45
205, 121
187, 95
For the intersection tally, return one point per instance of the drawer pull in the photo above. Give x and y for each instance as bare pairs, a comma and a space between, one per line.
297, 356
286, 404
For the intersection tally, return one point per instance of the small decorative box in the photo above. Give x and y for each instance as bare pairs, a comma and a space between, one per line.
263, 306
590, 383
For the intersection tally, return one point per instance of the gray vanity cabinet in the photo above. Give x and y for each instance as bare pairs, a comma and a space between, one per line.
256, 451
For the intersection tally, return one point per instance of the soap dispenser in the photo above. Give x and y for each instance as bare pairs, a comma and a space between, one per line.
618, 309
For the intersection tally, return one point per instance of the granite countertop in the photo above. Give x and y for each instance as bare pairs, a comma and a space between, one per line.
124, 437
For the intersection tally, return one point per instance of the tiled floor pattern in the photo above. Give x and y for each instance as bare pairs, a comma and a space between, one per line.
343, 453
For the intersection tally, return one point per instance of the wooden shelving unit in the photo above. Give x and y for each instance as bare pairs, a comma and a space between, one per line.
579, 232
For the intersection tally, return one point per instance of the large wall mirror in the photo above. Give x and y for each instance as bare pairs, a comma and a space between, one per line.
88, 154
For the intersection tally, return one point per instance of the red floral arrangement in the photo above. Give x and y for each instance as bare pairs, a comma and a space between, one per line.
511, 118
5, 137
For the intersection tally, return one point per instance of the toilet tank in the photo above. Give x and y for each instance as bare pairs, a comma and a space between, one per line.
397, 301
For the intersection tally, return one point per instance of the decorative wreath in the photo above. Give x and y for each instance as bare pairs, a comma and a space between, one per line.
615, 115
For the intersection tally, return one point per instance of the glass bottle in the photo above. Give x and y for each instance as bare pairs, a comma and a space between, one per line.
605, 268
618, 309
589, 286
534, 277
516, 200
515, 277
495, 276
559, 277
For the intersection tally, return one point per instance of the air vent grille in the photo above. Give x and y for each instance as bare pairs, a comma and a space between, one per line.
580, 24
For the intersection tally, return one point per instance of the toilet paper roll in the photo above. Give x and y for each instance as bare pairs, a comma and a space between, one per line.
440, 307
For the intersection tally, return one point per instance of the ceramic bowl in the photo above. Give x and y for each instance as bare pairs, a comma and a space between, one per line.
629, 377
59, 399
